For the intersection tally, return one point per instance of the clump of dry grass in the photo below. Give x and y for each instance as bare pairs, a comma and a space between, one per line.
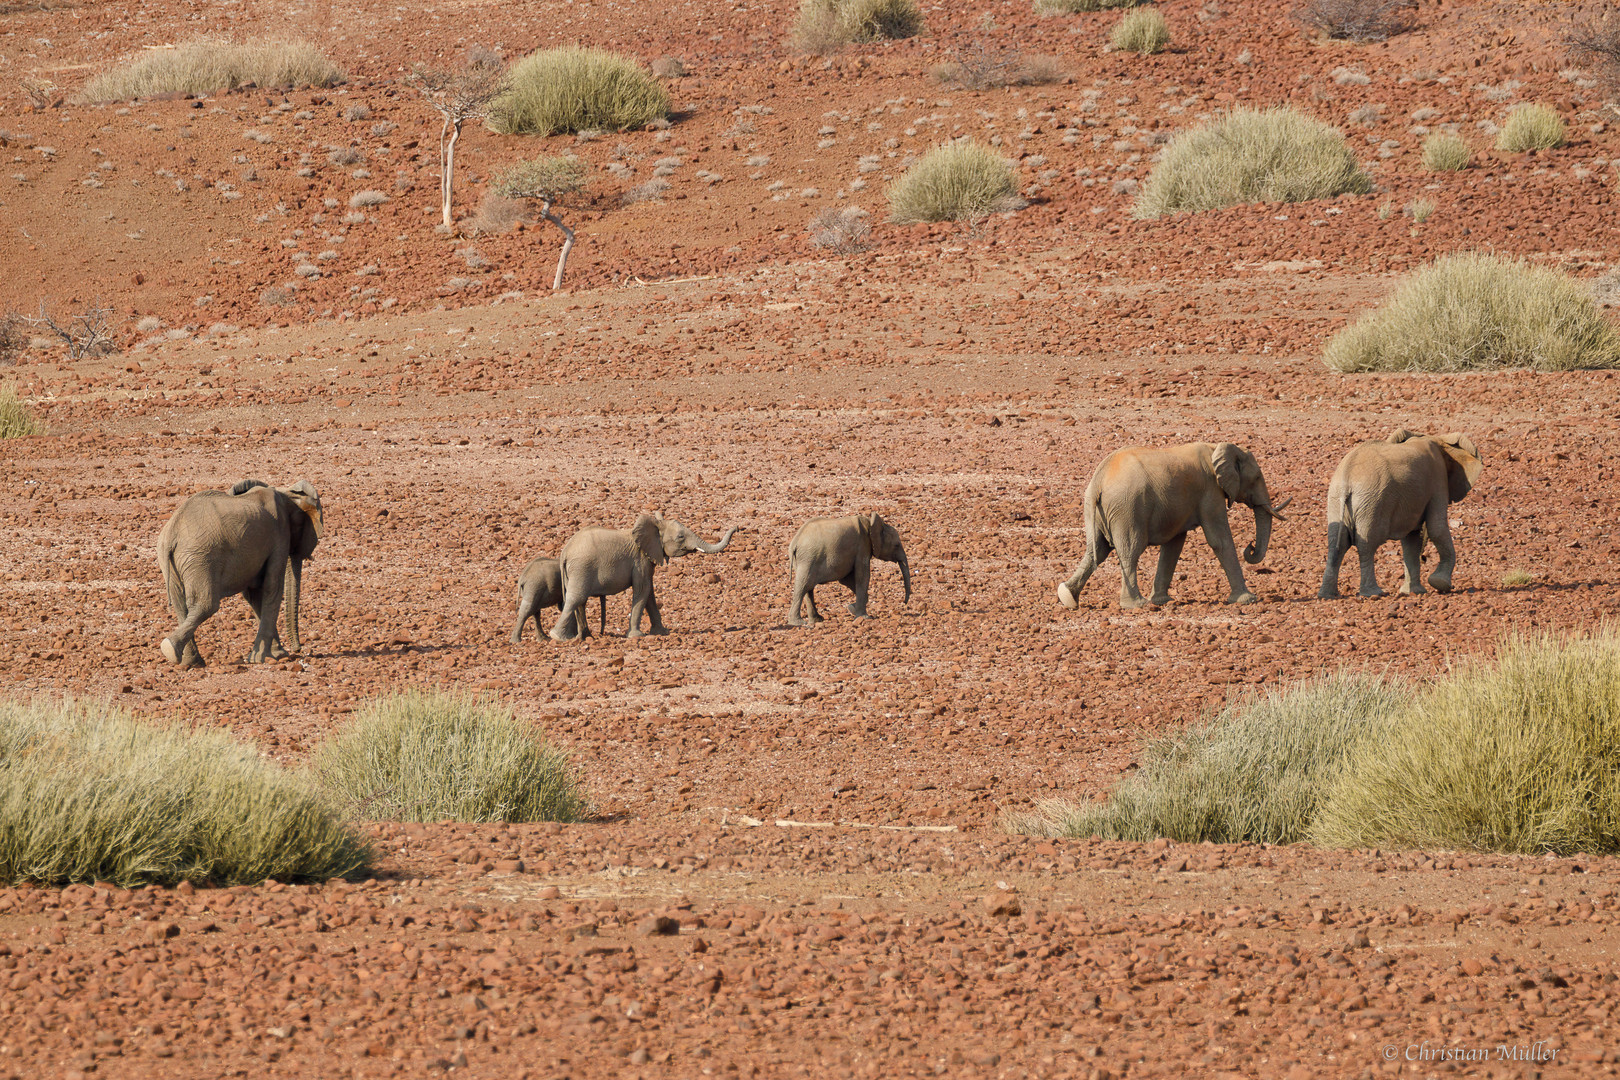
1357, 20
1475, 311
841, 229
432, 756
89, 793
202, 67
953, 182
1074, 7
573, 89
827, 25
1249, 156
1517, 579
498, 214
1531, 127
1141, 30
17, 420
1446, 153
982, 67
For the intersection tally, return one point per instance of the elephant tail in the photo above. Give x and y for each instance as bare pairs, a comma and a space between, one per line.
1347, 517
1096, 523
173, 584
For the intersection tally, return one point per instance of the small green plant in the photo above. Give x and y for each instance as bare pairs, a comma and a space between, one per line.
1519, 755
826, 25
17, 420
1271, 155
1421, 209
90, 793
1531, 127
572, 89
548, 180
954, 182
1075, 7
1517, 579
1141, 30
432, 756
1446, 153
202, 67
1254, 772
1475, 311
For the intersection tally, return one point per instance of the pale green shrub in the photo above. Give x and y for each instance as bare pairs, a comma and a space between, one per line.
572, 89
1446, 153
1531, 127
202, 67
1141, 30
952, 182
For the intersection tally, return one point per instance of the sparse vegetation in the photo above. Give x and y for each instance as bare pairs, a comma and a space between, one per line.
1140, 30
12, 338
668, 67
651, 191
1446, 153
1598, 44
1530, 127
1255, 772
827, 25
432, 756
1272, 155
203, 67
278, 296
953, 182
566, 90
367, 198
548, 180
467, 93
1518, 755
497, 214
89, 793
1421, 209
841, 229
1517, 579
87, 332
982, 67
1357, 20
17, 420
1074, 7
1476, 311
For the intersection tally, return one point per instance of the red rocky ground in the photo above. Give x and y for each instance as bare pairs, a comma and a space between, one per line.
819, 811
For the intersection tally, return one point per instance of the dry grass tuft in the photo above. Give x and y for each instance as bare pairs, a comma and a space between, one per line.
573, 89
498, 214
828, 25
432, 756
1075, 7
1517, 579
202, 67
89, 793
1249, 156
1474, 311
953, 182
17, 420
1531, 127
1141, 30
1446, 153
1357, 20
841, 229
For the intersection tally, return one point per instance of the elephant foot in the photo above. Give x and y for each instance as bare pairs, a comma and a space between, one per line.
1441, 584
659, 631
1066, 596
1409, 589
794, 620
1369, 594
278, 652
1244, 597
169, 654
1159, 599
1130, 603
1325, 593
858, 612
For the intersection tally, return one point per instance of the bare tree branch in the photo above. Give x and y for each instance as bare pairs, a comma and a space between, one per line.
458, 96
87, 333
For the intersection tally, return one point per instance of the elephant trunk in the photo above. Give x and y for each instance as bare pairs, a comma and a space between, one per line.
1256, 552
289, 600
905, 575
712, 549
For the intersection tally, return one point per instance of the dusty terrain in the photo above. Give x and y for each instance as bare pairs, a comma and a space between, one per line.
820, 811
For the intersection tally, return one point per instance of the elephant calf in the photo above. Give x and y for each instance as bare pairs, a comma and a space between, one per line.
1141, 496
540, 586
1398, 489
841, 550
251, 540
602, 562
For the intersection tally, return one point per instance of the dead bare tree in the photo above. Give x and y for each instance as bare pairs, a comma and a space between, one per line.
86, 333
12, 338
458, 96
1598, 45
548, 179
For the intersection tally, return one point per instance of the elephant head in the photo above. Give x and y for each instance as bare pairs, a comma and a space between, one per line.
1462, 463
886, 545
677, 540
1238, 474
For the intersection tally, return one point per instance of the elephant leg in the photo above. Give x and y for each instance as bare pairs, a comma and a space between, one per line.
1338, 546
1412, 557
267, 643
858, 581
568, 624
1366, 553
654, 614
1129, 595
1219, 535
1169, 552
527, 609
801, 589
601, 615
180, 647
640, 597
1439, 530
255, 600
1069, 590
810, 599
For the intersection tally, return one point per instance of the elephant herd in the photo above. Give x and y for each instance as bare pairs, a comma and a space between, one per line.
254, 539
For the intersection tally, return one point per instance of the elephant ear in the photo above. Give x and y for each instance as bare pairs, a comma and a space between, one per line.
1462, 463
1224, 459
648, 538
304, 496
865, 526
244, 486
1399, 435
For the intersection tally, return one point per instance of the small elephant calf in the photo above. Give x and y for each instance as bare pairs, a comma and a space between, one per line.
841, 550
540, 586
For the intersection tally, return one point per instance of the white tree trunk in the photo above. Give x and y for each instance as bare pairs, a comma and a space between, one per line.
568, 243
447, 158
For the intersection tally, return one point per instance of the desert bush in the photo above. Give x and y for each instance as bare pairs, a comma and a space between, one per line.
842, 230
367, 198
1518, 755
431, 756
1254, 772
668, 67
345, 155
17, 420
278, 296
1530, 127
202, 67
571, 89
1446, 153
1517, 579
89, 793
13, 337
952, 182
1421, 210
652, 191
498, 214
981, 67
1357, 20
1475, 311
1074, 7
1598, 44
1248, 156
1141, 30
825, 25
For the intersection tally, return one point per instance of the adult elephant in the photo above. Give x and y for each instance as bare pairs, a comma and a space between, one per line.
1142, 496
1398, 489
841, 549
253, 540
604, 562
